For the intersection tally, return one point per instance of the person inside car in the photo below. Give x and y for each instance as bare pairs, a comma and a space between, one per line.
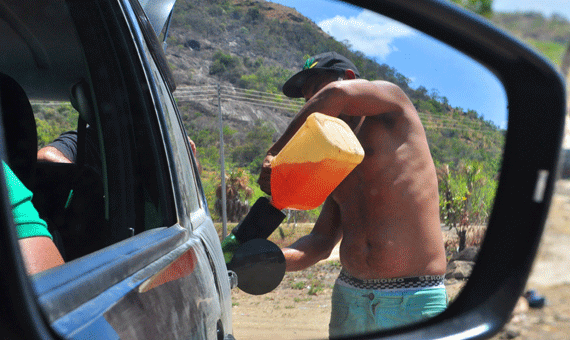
63, 149
36, 243
386, 211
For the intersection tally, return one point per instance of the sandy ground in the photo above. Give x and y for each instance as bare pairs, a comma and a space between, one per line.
300, 307
550, 277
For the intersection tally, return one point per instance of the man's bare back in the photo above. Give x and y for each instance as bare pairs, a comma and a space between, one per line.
389, 205
387, 210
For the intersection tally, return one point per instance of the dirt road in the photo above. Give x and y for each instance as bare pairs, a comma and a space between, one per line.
550, 277
300, 307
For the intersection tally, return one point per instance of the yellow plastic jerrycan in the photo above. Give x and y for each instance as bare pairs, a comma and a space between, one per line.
313, 163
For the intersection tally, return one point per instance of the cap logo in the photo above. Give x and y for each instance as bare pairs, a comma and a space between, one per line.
310, 63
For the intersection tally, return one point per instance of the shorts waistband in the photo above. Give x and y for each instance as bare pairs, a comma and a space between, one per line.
414, 282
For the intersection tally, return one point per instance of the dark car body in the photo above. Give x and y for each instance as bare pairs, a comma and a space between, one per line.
143, 259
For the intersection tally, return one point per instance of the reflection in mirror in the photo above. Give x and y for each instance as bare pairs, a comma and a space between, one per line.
402, 228
400, 242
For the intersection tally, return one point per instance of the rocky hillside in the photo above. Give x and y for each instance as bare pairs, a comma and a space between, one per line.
251, 47
549, 35
250, 44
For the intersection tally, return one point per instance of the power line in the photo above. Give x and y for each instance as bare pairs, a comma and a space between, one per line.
279, 102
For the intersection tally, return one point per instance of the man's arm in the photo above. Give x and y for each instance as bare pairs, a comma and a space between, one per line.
39, 253
195, 152
63, 149
350, 97
357, 98
319, 244
51, 154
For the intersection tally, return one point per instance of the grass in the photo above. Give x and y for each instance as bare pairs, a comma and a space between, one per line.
335, 264
298, 285
552, 50
316, 287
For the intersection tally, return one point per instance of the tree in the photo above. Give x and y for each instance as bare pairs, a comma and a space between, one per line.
237, 195
252, 151
463, 194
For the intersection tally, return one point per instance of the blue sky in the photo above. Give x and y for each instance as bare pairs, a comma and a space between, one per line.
425, 61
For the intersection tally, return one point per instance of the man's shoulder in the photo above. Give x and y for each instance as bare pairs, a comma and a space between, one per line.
67, 135
380, 84
384, 83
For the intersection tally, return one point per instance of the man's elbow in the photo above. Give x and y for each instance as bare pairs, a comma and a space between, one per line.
51, 154
327, 253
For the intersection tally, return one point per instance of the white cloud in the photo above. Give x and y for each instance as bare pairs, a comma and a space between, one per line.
368, 32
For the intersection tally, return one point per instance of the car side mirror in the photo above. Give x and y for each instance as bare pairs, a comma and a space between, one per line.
536, 107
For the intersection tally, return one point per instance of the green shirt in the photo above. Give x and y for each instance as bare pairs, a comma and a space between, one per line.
26, 217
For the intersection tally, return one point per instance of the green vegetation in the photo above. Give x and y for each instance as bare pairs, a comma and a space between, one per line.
316, 287
298, 285
249, 74
52, 120
466, 197
481, 7
549, 35
301, 299
552, 50
276, 46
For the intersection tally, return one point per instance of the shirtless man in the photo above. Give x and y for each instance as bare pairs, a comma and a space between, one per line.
386, 211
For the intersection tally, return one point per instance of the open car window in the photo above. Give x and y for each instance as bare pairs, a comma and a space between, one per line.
113, 180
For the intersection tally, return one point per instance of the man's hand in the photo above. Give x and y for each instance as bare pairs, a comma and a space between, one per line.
192, 146
194, 152
264, 180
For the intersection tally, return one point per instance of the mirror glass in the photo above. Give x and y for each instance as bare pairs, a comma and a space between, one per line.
462, 107
233, 57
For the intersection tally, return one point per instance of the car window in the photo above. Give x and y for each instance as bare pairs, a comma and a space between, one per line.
181, 153
114, 181
72, 194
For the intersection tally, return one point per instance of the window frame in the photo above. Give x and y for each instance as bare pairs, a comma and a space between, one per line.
169, 116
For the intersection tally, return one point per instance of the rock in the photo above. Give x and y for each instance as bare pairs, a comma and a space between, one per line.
562, 317
453, 288
193, 44
512, 332
459, 270
467, 254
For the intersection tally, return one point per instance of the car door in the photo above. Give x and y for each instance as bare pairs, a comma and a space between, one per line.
156, 279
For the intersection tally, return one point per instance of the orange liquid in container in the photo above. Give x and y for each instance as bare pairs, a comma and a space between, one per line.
313, 163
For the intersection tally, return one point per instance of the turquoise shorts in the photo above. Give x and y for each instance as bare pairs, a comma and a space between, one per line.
357, 311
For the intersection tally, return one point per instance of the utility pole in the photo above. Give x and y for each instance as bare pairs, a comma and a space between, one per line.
223, 170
